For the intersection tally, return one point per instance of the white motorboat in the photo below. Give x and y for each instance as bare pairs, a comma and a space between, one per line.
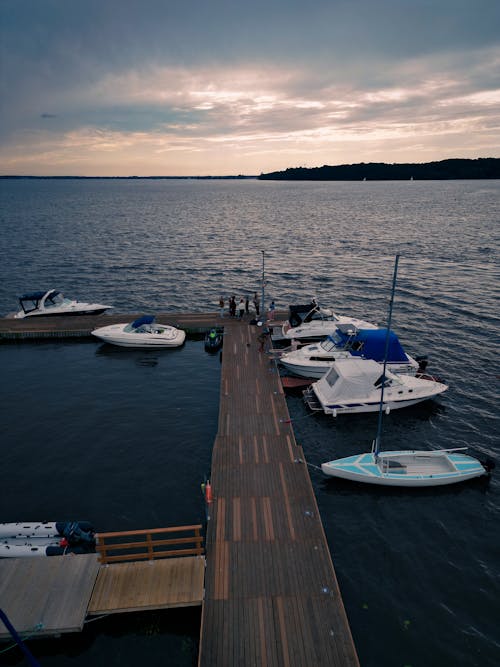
355, 385
317, 329
313, 361
54, 302
314, 325
414, 468
22, 540
143, 332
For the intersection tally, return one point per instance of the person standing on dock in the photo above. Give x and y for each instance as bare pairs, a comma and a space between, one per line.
241, 308
232, 306
272, 308
221, 306
247, 305
256, 304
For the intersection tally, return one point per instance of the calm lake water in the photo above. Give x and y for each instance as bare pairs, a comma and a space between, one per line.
123, 438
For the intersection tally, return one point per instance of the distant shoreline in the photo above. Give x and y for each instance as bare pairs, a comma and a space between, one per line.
133, 178
453, 169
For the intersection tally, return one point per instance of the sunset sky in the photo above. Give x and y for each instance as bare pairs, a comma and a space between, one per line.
213, 87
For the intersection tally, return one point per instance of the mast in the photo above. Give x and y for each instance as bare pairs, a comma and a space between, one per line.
263, 308
376, 444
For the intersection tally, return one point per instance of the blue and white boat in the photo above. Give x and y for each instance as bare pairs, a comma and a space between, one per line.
414, 468
347, 342
53, 302
408, 468
143, 332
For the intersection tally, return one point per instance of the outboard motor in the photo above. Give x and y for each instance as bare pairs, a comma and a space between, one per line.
422, 364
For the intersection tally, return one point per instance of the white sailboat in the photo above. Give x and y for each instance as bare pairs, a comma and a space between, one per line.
415, 468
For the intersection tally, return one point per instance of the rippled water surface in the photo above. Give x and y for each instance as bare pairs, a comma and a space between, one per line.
124, 438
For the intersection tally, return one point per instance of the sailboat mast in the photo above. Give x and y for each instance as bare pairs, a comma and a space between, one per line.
376, 448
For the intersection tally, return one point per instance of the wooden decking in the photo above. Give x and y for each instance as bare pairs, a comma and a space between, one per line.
36, 328
52, 596
46, 596
155, 584
271, 595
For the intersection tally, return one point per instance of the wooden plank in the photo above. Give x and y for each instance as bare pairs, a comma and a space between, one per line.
156, 584
50, 594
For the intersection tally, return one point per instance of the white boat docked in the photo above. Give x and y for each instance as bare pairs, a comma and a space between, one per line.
58, 538
355, 385
54, 302
314, 360
408, 468
143, 332
416, 468
314, 325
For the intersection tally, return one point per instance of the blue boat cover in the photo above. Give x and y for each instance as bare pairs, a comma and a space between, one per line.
145, 319
370, 343
33, 296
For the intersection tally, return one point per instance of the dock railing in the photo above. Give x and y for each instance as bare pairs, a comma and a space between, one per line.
148, 544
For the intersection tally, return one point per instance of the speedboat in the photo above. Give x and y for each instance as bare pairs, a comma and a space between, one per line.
54, 302
314, 324
56, 538
313, 361
355, 385
143, 332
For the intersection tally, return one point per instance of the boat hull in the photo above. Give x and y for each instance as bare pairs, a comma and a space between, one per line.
418, 468
115, 335
318, 371
61, 312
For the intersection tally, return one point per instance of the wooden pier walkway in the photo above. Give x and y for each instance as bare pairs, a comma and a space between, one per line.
39, 328
271, 594
133, 571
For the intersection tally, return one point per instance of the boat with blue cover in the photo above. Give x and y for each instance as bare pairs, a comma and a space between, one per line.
346, 342
53, 302
144, 332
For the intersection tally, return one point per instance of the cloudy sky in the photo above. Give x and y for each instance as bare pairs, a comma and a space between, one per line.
217, 87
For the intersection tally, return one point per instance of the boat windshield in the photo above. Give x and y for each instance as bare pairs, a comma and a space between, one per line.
331, 342
54, 299
332, 376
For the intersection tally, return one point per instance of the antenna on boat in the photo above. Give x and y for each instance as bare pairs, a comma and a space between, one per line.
376, 443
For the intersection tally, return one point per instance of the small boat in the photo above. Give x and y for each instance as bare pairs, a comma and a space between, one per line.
21, 540
213, 340
313, 325
415, 468
355, 385
409, 468
313, 361
54, 302
143, 332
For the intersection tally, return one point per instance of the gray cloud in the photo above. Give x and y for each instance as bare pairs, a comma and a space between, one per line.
223, 69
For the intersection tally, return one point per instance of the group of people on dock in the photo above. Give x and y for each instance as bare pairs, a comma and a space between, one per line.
242, 308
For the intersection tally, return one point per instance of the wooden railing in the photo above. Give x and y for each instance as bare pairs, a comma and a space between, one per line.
149, 544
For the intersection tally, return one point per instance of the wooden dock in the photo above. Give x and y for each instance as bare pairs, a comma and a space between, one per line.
133, 571
271, 594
